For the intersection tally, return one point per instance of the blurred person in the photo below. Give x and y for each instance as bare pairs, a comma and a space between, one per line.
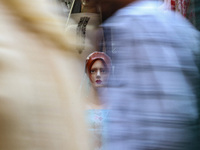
39, 77
98, 70
153, 98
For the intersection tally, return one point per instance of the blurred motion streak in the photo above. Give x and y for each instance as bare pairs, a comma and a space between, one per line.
39, 77
152, 97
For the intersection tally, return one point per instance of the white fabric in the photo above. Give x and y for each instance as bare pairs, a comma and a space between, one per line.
152, 97
86, 26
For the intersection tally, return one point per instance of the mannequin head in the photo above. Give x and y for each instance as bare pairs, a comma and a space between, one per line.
98, 68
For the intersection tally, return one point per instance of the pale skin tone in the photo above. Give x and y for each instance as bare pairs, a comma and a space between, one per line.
98, 74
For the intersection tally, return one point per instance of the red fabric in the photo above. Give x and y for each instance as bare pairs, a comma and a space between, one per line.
173, 5
181, 6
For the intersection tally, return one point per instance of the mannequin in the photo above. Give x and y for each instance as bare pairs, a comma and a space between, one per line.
97, 68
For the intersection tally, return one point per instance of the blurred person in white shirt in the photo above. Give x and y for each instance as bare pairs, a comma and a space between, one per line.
153, 96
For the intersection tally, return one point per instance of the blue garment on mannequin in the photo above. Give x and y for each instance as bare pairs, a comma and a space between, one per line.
97, 119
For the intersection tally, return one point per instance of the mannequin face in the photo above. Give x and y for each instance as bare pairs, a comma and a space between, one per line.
98, 74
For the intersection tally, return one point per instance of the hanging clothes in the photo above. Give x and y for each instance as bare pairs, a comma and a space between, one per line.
86, 24
186, 8
86, 27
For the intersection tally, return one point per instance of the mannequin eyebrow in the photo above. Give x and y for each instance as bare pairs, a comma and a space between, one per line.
97, 68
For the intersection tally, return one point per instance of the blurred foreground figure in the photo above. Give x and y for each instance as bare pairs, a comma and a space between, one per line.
39, 106
152, 98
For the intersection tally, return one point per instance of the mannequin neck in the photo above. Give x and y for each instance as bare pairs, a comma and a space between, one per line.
95, 100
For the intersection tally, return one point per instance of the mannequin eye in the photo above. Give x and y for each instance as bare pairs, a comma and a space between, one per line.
103, 70
92, 71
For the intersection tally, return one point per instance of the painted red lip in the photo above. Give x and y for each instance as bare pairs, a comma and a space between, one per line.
98, 81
